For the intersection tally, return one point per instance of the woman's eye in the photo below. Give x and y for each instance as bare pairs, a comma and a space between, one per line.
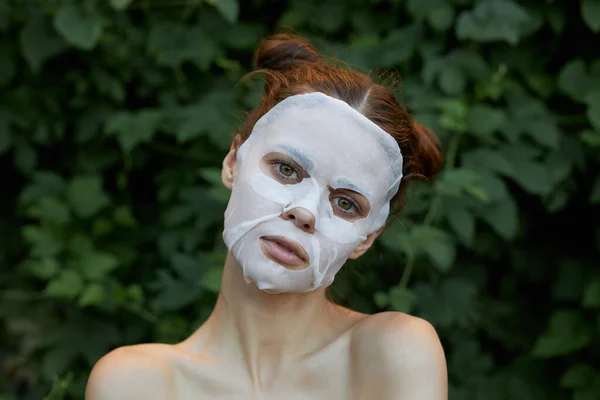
343, 203
286, 170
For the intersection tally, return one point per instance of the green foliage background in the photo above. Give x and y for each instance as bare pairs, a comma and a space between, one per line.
114, 118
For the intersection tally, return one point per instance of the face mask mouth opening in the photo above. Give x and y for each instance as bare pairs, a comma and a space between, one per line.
285, 252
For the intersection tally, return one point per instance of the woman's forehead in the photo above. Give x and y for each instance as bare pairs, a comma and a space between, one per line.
341, 157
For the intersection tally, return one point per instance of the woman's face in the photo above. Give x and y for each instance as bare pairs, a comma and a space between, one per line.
314, 178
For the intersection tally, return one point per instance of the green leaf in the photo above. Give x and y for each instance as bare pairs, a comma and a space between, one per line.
402, 299
66, 285
578, 376
530, 175
79, 26
484, 120
453, 301
96, 265
590, 138
544, 131
593, 110
566, 333
503, 217
39, 42
452, 80
595, 193
45, 268
43, 240
229, 9
591, 294
86, 196
400, 45
590, 11
454, 115
380, 298
531, 116
441, 17
120, 4
51, 209
398, 240
456, 181
488, 159
574, 81
181, 289
419, 9
556, 200
436, 244
133, 128
171, 44
494, 20
92, 294
462, 222
45, 183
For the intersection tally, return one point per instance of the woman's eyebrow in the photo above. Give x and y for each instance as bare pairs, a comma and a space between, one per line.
301, 158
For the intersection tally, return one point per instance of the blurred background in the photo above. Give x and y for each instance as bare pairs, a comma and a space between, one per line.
115, 116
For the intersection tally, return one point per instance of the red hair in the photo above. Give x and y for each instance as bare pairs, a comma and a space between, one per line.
292, 66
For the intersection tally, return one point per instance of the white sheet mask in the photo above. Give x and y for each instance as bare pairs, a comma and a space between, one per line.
338, 148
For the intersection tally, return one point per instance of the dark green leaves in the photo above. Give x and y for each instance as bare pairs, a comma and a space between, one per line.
484, 120
400, 45
39, 42
80, 25
436, 244
229, 9
566, 333
590, 11
66, 285
120, 4
115, 117
172, 43
86, 196
180, 289
133, 128
494, 20
593, 109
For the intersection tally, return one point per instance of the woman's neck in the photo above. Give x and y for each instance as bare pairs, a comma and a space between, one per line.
267, 332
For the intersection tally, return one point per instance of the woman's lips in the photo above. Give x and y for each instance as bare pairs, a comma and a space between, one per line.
284, 251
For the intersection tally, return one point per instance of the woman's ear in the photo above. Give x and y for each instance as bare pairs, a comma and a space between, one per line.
230, 163
366, 244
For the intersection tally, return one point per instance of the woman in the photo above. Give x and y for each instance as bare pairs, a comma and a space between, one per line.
312, 172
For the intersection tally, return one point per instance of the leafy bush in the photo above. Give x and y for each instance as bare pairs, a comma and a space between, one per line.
114, 118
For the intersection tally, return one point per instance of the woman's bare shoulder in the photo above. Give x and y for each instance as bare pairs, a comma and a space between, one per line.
139, 371
401, 355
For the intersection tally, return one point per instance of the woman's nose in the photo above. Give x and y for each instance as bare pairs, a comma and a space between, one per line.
301, 217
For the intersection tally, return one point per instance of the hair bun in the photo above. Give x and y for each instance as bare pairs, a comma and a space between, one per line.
284, 51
